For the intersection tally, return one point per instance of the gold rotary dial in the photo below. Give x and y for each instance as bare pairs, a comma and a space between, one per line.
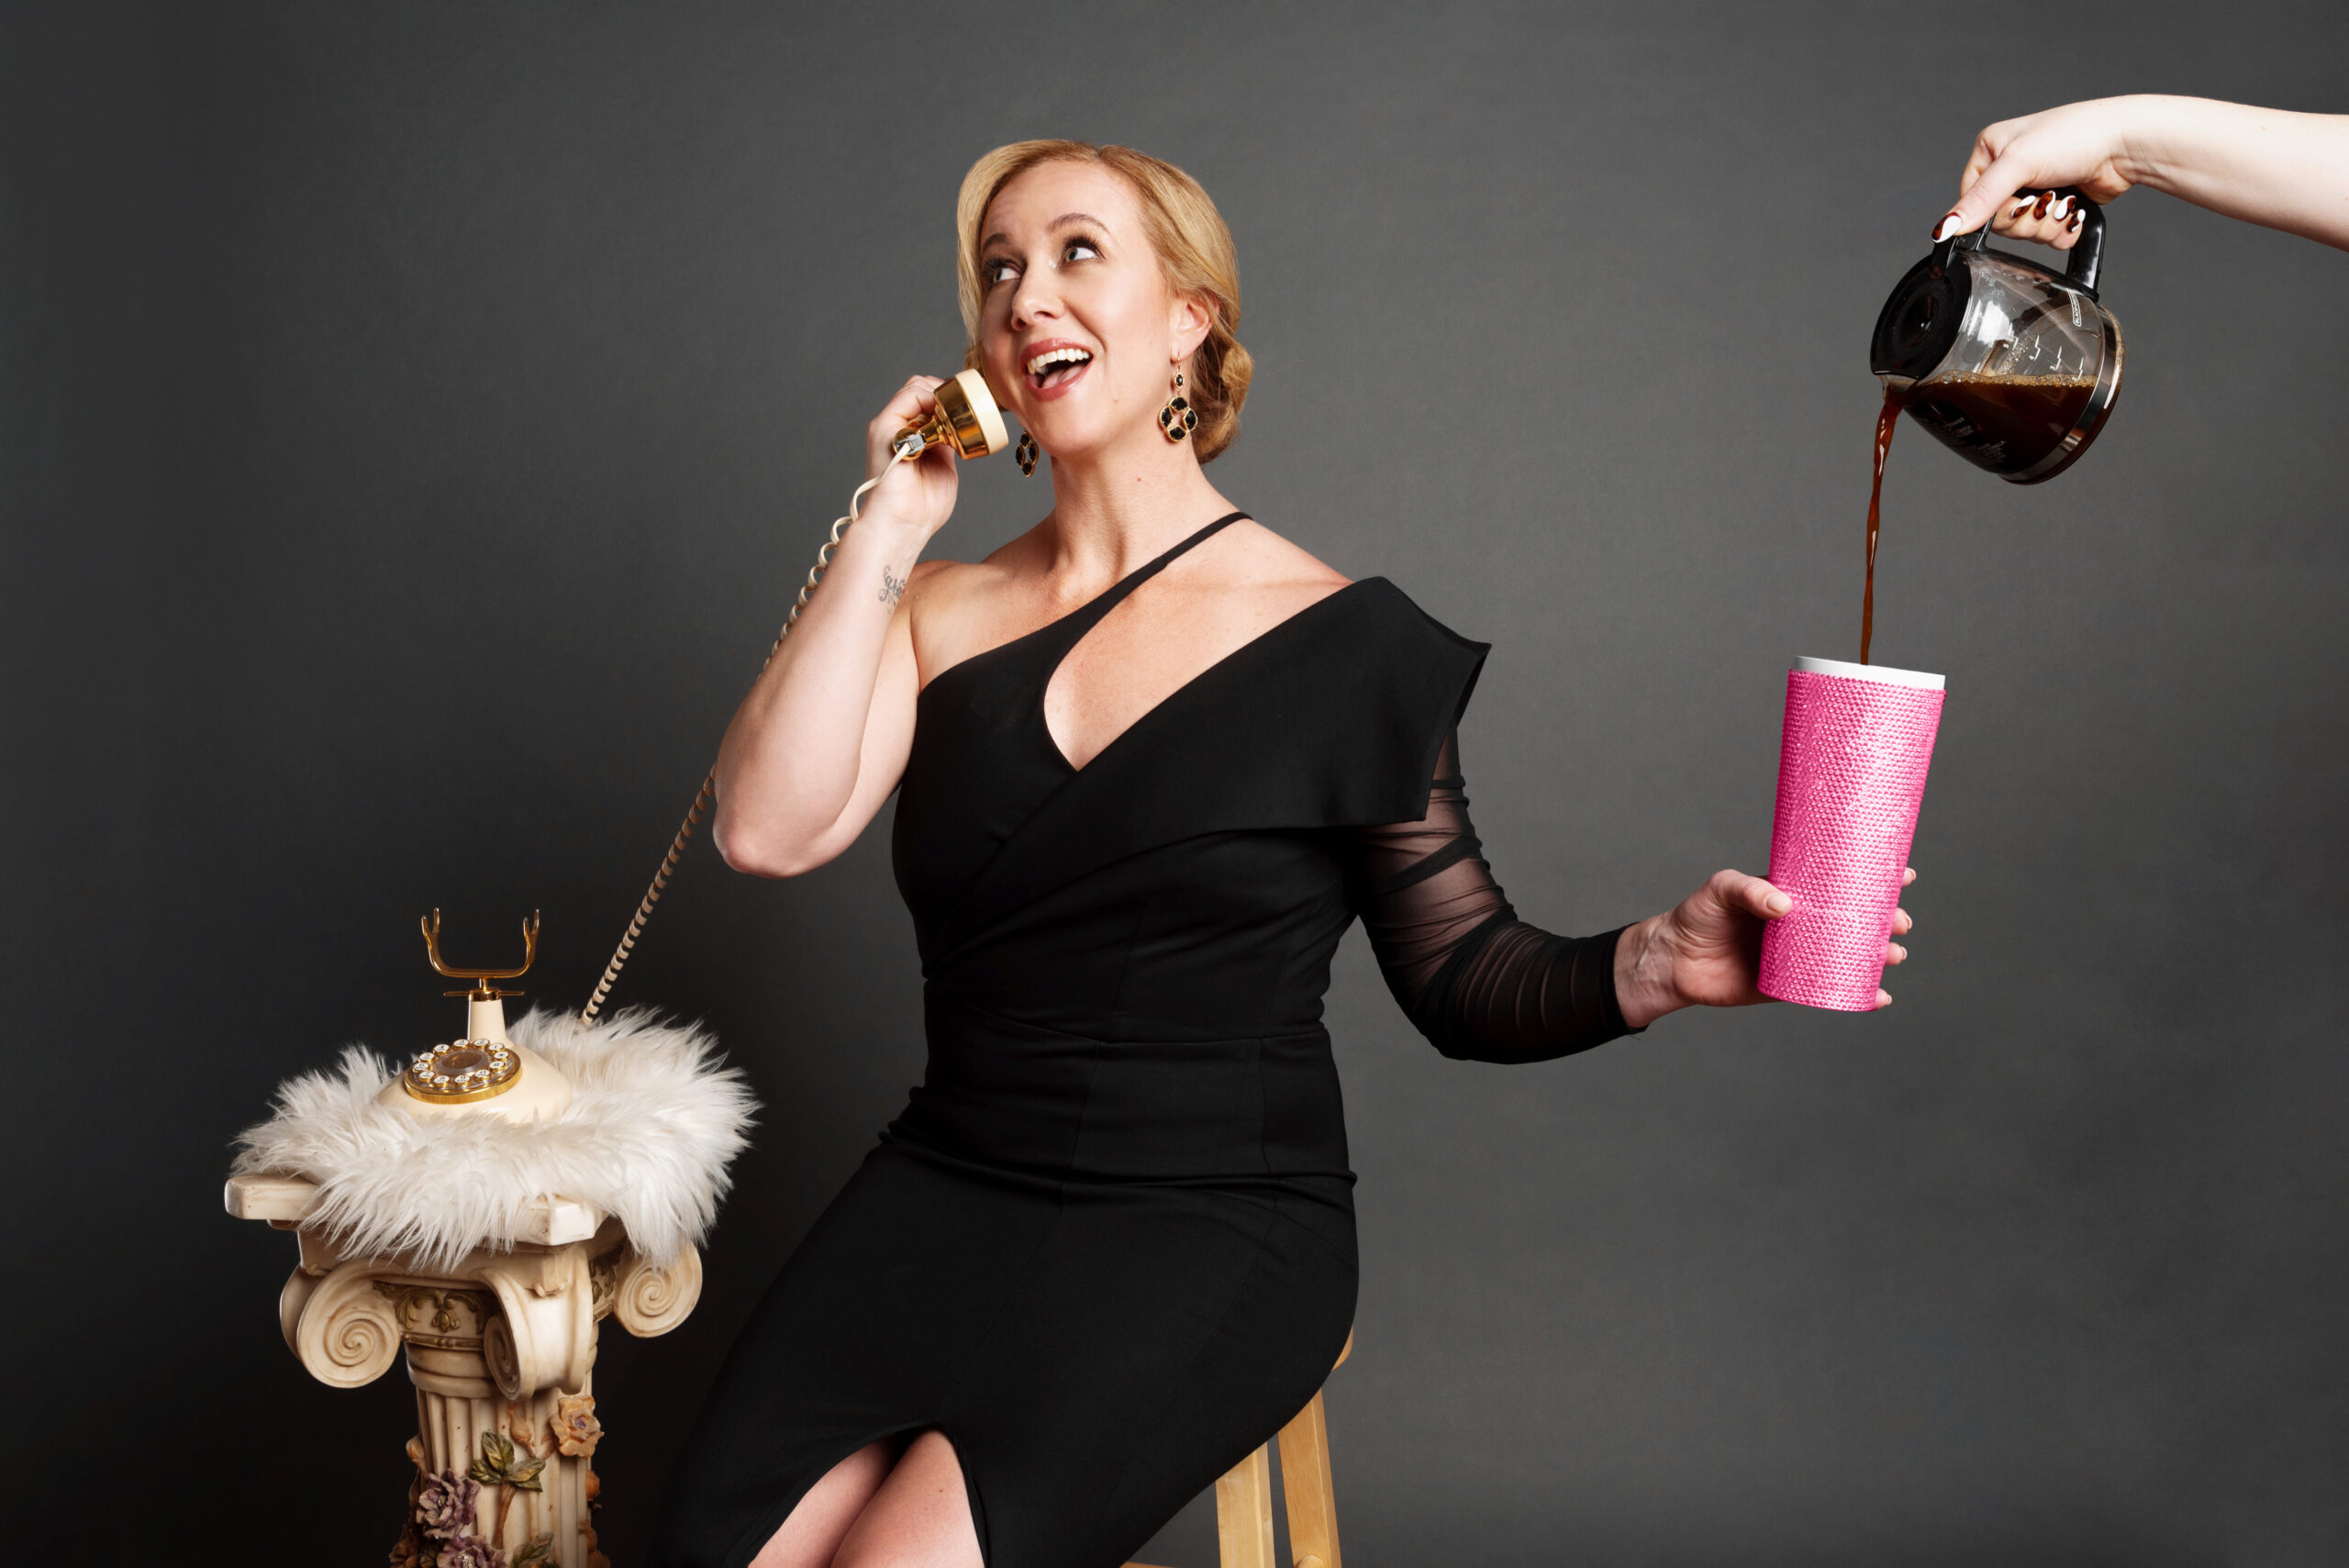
462, 1071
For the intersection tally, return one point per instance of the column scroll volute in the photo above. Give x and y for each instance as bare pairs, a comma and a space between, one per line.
652, 1298
544, 1334
346, 1331
299, 1287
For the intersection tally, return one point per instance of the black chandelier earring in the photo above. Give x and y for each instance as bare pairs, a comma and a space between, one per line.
1179, 418
1027, 454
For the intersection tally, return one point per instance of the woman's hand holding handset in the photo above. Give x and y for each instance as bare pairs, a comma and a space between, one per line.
822, 738
2266, 166
1708, 952
917, 494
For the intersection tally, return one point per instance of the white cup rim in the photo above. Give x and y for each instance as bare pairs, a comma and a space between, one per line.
1882, 673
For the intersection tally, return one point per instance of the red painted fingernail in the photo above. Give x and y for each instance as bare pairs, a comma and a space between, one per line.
2040, 210
1941, 229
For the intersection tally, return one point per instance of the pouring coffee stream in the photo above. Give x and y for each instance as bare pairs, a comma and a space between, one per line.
1887, 420
2011, 365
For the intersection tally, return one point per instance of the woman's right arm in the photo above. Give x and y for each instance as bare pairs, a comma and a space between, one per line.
823, 737
2266, 166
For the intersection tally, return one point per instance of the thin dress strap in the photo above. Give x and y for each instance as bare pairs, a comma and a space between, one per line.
1084, 618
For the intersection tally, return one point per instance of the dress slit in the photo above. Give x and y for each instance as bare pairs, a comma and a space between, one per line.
755, 1539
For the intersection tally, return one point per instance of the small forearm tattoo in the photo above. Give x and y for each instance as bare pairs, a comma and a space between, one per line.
893, 587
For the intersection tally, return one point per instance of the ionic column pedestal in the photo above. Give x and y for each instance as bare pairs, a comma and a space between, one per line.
502, 1351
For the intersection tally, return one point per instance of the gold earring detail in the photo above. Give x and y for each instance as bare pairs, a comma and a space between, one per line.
1027, 454
1179, 418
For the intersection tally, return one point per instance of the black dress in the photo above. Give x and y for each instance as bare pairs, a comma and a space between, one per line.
1108, 1248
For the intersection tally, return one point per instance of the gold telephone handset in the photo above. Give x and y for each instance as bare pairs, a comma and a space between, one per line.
966, 416
967, 420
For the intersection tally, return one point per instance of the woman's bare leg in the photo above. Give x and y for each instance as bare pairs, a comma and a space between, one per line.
816, 1527
920, 1519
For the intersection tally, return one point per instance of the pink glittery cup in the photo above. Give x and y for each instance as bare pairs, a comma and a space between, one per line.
1850, 777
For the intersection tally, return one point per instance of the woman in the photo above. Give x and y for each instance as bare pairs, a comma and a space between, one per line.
1154, 760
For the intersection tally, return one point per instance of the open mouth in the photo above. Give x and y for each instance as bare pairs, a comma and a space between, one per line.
1056, 366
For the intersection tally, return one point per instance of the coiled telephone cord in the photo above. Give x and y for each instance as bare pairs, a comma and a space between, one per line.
709, 781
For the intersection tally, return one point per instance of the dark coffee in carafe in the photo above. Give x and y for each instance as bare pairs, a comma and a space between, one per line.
2008, 424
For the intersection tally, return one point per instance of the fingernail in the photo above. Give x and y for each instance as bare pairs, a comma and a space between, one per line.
2038, 209
2077, 218
1943, 229
1779, 903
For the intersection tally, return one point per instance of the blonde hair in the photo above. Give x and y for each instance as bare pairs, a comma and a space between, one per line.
1195, 253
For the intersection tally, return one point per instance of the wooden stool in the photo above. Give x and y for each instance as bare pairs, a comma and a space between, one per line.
1243, 1498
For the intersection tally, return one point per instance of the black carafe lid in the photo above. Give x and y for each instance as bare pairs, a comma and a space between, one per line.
1917, 326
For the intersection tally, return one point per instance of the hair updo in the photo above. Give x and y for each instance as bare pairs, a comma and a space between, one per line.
1195, 253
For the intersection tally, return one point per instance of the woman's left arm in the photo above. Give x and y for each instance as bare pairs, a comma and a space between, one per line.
1484, 985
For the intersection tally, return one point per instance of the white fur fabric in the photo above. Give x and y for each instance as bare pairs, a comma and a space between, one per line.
653, 1122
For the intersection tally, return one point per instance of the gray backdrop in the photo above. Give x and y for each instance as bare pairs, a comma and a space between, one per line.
417, 417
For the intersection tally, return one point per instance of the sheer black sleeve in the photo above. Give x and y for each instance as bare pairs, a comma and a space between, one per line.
1479, 983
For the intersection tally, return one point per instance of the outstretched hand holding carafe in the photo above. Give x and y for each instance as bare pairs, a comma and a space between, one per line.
2272, 167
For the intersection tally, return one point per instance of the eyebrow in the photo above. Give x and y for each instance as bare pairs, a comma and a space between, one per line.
1061, 222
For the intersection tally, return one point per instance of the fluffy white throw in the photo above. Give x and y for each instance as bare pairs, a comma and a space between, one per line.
653, 1122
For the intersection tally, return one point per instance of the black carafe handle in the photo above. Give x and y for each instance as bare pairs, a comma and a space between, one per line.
2086, 256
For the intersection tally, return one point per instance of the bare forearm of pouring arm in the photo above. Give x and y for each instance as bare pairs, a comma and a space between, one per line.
2272, 167
807, 749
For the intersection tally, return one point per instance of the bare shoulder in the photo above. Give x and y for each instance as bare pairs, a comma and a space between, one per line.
1279, 577
943, 582
941, 591
955, 608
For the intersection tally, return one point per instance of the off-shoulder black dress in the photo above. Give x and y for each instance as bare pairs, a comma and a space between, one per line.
1108, 1248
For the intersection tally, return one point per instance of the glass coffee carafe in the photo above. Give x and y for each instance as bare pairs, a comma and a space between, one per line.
2010, 364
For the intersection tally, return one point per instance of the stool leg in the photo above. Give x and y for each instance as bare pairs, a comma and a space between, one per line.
1243, 1512
1304, 1478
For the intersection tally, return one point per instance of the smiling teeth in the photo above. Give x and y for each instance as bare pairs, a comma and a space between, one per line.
1051, 357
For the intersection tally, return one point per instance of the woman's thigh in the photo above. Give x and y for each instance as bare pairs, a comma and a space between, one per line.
920, 1516
822, 1519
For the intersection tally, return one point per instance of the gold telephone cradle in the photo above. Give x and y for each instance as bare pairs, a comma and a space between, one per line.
485, 1062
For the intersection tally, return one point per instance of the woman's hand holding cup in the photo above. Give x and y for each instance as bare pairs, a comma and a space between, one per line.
1707, 952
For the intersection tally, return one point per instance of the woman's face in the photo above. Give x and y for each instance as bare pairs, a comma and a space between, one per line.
1077, 325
